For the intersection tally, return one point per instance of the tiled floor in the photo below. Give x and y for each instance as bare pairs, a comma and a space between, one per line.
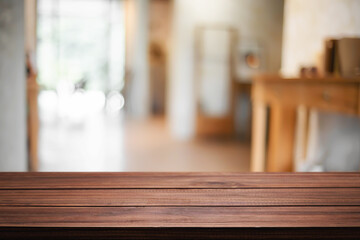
112, 143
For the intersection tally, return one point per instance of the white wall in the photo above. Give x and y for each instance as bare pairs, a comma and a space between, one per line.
334, 144
307, 23
30, 25
137, 59
261, 19
12, 87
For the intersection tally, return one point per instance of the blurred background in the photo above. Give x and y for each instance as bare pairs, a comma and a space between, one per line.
180, 85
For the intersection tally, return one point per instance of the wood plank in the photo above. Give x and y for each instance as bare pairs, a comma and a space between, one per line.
36, 180
182, 197
124, 205
180, 216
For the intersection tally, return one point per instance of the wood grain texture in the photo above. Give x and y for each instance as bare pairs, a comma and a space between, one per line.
182, 197
58, 180
179, 206
317, 216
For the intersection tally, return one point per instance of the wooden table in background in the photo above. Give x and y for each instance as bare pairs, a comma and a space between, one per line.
283, 97
179, 206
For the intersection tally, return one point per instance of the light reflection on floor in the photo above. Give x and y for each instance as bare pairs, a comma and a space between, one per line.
96, 144
103, 141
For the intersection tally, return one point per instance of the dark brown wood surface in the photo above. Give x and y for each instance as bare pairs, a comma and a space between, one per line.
176, 205
69, 180
181, 197
180, 216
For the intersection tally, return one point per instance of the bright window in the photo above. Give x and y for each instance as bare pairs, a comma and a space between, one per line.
81, 42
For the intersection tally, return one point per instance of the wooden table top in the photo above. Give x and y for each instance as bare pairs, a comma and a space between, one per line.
275, 78
179, 200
